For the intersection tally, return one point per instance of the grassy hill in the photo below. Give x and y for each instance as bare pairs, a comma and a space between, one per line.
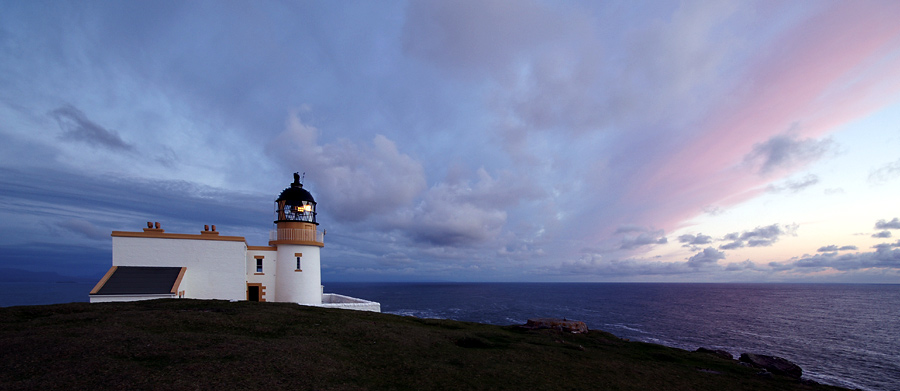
215, 345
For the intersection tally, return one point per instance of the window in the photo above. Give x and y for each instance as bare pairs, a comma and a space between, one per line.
298, 263
298, 255
259, 264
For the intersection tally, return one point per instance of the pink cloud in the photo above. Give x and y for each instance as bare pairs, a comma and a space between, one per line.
837, 66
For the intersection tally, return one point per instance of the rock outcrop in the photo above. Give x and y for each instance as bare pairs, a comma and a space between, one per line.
717, 352
776, 365
571, 326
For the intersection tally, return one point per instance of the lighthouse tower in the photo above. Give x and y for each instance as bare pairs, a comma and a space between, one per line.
298, 241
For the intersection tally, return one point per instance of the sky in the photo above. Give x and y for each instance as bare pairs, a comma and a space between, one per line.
639, 141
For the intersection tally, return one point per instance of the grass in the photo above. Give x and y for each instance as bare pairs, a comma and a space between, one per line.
204, 344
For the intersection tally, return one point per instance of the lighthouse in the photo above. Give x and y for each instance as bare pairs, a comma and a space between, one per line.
298, 240
155, 264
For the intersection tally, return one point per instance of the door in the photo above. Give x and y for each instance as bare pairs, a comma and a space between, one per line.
253, 292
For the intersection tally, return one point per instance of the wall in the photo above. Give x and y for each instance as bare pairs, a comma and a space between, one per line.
216, 269
267, 278
304, 287
333, 300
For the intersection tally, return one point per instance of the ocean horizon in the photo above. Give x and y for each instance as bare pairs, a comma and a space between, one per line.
840, 334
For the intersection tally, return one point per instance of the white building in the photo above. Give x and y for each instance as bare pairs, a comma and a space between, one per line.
155, 264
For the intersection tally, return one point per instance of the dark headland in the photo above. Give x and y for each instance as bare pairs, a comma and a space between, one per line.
214, 345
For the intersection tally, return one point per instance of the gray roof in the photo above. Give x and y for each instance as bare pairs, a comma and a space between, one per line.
138, 280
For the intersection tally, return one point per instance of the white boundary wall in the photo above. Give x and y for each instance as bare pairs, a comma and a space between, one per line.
334, 300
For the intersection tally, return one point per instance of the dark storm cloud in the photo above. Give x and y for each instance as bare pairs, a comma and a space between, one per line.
883, 224
77, 127
785, 151
758, 237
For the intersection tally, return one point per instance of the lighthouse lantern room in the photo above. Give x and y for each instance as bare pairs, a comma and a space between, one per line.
295, 204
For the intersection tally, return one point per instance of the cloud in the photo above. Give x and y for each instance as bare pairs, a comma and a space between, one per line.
732, 245
629, 228
893, 224
885, 257
795, 186
785, 152
886, 246
76, 126
690, 240
758, 237
471, 36
882, 257
123, 200
882, 234
833, 248
885, 173
358, 181
708, 256
85, 228
742, 266
643, 239
467, 212
706, 260
617, 119
441, 221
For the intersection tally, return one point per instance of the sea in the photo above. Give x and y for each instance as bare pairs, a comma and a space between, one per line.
840, 334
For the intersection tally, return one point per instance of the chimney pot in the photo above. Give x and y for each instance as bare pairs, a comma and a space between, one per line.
149, 224
157, 225
206, 227
214, 227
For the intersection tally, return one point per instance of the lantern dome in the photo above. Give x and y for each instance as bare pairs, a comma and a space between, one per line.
295, 204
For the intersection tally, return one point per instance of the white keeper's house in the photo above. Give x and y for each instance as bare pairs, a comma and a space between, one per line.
153, 264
